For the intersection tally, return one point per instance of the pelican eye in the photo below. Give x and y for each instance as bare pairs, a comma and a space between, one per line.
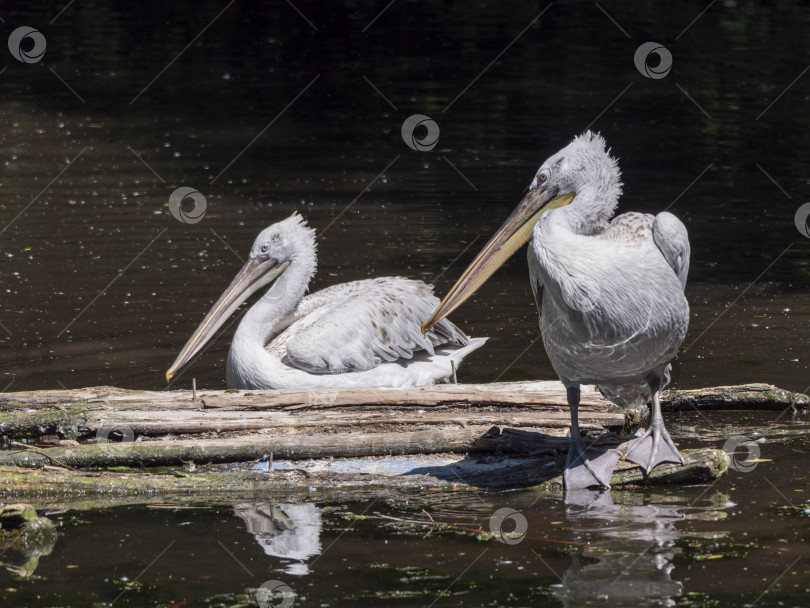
543, 176
265, 248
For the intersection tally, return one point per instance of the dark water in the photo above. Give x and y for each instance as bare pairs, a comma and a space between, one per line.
71, 316
266, 113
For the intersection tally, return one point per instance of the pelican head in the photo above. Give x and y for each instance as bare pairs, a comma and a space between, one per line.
582, 175
272, 252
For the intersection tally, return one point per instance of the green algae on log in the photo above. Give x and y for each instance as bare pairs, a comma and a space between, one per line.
699, 466
523, 418
741, 397
177, 452
53, 483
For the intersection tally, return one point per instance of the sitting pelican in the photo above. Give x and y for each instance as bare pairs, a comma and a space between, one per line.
610, 295
363, 333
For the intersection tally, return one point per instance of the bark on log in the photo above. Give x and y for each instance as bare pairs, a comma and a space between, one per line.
86, 421
524, 394
519, 394
741, 397
541, 405
53, 484
82, 413
178, 452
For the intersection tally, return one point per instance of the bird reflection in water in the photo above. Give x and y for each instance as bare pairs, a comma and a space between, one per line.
289, 531
628, 550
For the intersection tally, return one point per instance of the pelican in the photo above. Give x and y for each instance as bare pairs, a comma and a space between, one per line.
363, 333
610, 295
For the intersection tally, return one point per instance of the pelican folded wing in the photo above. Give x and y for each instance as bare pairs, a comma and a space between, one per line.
377, 320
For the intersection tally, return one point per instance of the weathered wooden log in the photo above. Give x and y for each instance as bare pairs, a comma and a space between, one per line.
525, 394
519, 394
84, 412
177, 452
741, 397
52, 483
89, 420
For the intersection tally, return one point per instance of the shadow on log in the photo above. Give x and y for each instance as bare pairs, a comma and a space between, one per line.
179, 452
52, 483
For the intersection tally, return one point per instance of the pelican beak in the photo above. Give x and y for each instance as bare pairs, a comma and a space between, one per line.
516, 231
255, 274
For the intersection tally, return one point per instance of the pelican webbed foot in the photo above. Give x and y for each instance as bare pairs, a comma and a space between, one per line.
655, 445
586, 468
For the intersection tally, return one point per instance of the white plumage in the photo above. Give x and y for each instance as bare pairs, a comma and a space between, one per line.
610, 294
363, 333
623, 333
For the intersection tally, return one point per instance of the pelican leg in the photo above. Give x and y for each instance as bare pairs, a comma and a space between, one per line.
655, 445
585, 467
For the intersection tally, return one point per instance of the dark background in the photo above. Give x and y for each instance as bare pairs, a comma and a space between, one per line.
101, 285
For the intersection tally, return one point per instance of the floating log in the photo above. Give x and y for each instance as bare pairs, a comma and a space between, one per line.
516, 394
178, 452
172, 428
498, 393
85, 413
54, 484
740, 397
82, 413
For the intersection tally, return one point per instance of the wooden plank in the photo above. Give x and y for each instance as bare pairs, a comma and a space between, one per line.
150, 423
82, 413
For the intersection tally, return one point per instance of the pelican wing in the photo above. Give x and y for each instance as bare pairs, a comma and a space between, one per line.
667, 231
356, 326
672, 240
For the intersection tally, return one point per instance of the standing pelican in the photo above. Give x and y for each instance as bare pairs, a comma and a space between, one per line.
363, 333
609, 293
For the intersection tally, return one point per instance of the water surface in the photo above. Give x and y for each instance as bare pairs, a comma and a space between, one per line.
266, 113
